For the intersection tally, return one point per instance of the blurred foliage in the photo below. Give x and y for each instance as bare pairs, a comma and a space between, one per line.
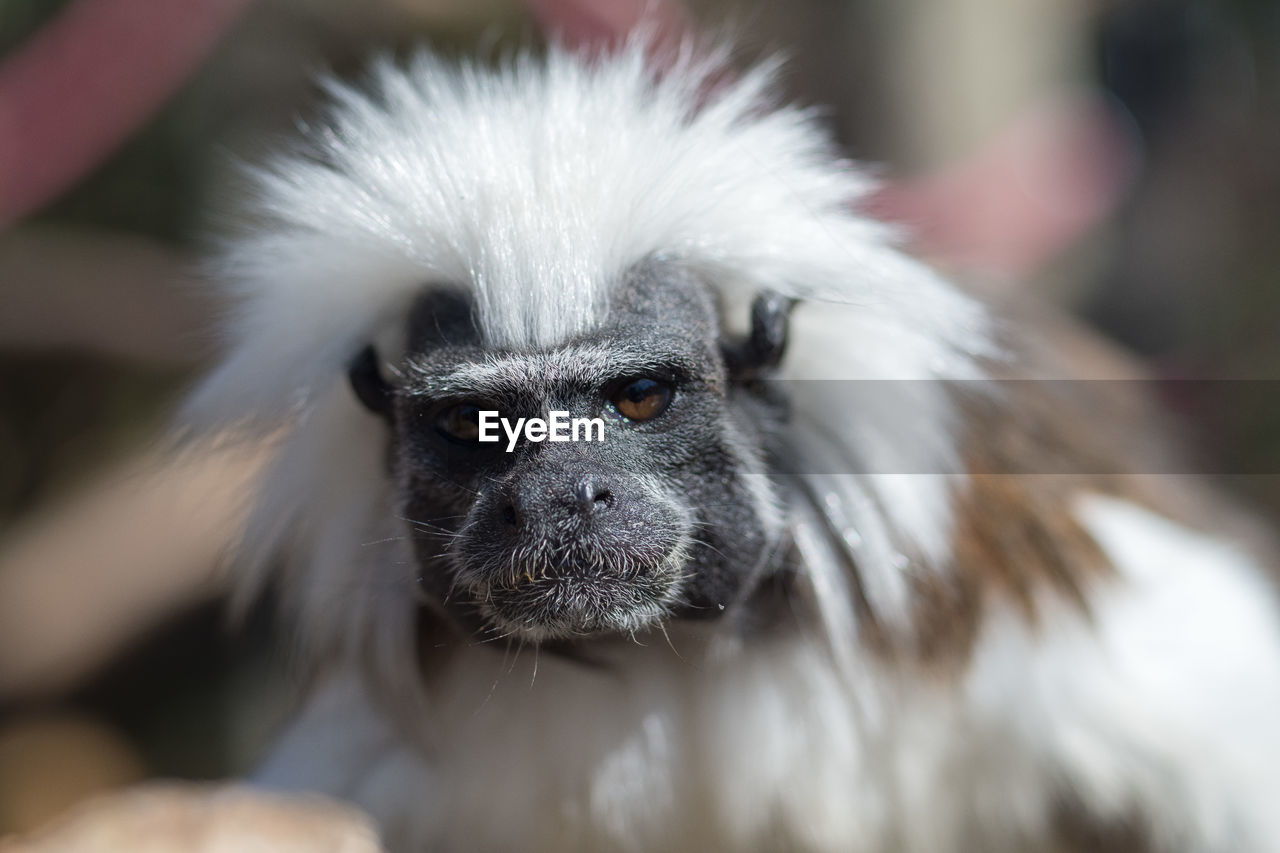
62, 414
1193, 283
20, 18
66, 415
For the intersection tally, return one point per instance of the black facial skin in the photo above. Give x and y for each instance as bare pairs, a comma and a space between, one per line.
556, 541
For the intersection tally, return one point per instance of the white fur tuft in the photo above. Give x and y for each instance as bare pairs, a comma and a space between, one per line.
537, 185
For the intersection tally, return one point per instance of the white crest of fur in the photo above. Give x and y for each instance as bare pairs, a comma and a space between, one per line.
537, 186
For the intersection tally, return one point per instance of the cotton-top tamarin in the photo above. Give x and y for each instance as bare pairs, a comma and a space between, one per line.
825, 584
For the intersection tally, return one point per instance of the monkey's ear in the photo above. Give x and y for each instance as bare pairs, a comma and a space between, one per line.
764, 347
371, 389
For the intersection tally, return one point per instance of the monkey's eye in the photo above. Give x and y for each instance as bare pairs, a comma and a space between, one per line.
460, 422
642, 399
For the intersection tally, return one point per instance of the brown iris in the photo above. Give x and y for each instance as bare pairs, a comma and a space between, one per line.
642, 399
460, 422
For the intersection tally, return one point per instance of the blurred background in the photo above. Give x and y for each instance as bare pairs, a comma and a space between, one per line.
1120, 158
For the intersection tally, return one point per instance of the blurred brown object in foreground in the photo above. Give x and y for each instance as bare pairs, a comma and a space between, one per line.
177, 818
50, 763
107, 292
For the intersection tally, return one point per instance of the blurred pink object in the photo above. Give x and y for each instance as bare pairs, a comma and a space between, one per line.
80, 86
602, 24
1026, 195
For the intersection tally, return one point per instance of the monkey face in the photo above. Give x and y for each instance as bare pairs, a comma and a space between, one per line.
666, 513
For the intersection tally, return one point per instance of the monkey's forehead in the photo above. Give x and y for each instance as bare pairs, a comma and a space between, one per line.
655, 298
661, 321
572, 367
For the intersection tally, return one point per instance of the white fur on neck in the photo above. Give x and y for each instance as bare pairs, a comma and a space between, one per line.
1156, 707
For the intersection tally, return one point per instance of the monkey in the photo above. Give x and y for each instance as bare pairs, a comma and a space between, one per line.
826, 584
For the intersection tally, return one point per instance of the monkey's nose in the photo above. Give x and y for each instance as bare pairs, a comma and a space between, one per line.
552, 498
590, 496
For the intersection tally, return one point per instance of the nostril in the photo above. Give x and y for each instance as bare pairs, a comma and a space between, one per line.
509, 515
588, 497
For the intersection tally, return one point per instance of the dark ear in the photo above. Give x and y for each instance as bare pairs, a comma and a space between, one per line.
763, 348
371, 389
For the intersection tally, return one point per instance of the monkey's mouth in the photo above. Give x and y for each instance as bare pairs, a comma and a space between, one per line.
572, 598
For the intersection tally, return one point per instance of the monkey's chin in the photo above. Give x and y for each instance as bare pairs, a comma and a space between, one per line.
575, 606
